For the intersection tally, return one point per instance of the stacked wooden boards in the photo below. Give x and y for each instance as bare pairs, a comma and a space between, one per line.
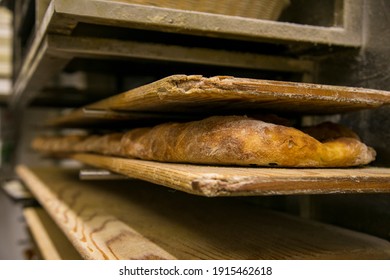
57, 40
188, 95
63, 16
195, 94
142, 221
136, 220
240, 181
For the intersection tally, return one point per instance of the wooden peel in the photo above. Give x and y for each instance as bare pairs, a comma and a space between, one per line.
195, 94
240, 181
136, 220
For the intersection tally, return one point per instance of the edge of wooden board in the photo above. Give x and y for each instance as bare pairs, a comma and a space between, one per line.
195, 93
183, 87
48, 237
194, 227
91, 237
166, 19
240, 181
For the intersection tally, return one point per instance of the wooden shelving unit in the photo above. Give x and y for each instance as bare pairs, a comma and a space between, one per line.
56, 39
138, 220
182, 96
50, 54
64, 16
196, 94
236, 181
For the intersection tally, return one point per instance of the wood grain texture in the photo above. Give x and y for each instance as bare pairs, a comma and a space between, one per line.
197, 94
93, 232
97, 216
69, 13
91, 47
239, 181
269, 10
51, 241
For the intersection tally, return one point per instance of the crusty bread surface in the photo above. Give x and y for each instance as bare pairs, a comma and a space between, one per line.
232, 140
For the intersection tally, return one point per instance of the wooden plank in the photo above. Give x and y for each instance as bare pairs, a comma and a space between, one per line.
56, 51
63, 16
86, 227
206, 24
41, 7
37, 70
253, 9
38, 59
98, 216
51, 242
229, 95
240, 181
98, 48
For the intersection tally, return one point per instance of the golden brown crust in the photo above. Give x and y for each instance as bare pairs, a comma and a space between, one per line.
110, 144
88, 144
233, 140
236, 140
54, 144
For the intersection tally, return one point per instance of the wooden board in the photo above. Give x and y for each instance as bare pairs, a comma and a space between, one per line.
261, 9
240, 181
189, 94
51, 241
140, 220
95, 233
47, 59
63, 16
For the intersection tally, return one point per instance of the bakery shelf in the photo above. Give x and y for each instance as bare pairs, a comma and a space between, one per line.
138, 220
192, 95
55, 44
239, 181
63, 16
50, 54
228, 95
131, 219
50, 240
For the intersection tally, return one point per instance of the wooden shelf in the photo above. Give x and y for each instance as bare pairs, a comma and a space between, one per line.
227, 95
138, 220
51, 241
63, 16
55, 44
49, 56
134, 219
239, 181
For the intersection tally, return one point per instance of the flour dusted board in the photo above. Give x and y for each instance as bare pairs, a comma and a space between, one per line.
238, 181
227, 95
140, 220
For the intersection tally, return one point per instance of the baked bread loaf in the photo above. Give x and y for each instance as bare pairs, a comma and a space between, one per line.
236, 140
239, 140
59, 144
